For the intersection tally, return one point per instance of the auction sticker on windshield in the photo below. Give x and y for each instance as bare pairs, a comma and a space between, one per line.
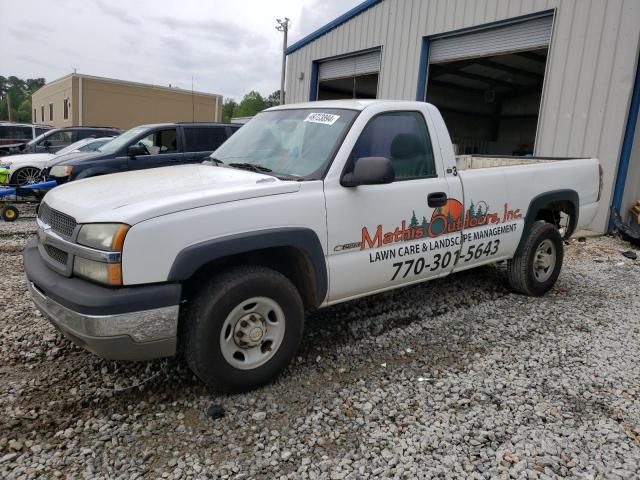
323, 118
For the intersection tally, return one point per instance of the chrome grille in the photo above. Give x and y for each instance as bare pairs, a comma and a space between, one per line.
57, 254
59, 222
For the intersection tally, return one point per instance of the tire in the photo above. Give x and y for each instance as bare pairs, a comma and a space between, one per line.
535, 269
26, 176
233, 346
10, 213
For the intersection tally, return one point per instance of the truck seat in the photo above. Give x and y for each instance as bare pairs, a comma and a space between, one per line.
409, 156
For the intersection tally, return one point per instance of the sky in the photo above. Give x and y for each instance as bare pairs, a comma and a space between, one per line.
229, 47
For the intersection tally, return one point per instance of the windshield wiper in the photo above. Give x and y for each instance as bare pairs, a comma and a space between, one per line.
261, 169
251, 166
213, 162
286, 176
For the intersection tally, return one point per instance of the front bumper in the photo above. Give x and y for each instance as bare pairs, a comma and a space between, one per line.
59, 180
129, 323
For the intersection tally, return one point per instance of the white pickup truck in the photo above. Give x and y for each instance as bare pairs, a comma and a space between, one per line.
308, 205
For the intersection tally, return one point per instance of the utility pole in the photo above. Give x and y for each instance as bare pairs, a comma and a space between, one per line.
9, 103
283, 26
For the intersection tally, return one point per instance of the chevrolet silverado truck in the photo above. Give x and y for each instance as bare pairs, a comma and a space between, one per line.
306, 206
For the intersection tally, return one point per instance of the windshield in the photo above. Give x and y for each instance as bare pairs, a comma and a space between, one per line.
94, 145
40, 137
288, 142
71, 148
85, 145
123, 140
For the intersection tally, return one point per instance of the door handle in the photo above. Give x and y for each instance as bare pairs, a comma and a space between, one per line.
437, 199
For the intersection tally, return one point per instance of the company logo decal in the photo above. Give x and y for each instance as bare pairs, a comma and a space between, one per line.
449, 218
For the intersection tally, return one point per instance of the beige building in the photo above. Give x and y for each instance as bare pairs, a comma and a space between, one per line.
77, 100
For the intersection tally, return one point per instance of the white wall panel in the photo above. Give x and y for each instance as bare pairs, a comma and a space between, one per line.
594, 48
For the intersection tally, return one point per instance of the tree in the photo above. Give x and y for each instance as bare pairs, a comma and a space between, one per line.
228, 108
273, 99
19, 91
251, 104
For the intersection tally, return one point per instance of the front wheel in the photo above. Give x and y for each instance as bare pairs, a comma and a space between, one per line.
535, 269
26, 176
242, 328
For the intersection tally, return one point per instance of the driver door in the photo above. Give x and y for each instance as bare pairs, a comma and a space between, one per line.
163, 150
382, 236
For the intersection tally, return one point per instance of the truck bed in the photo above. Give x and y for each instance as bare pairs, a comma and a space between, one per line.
474, 162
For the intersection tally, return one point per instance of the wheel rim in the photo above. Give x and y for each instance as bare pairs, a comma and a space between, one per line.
27, 175
10, 214
544, 261
252, 333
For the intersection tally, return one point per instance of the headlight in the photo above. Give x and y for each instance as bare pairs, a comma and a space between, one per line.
6, 164
107, 273
61, 171
103, 236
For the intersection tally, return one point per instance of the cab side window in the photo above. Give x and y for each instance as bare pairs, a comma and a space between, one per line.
403, 138
161, 141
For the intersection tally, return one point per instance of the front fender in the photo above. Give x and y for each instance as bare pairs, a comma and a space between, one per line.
191, 258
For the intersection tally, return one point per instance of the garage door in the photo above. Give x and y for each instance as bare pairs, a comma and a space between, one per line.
355, 76
523, 35
350, 66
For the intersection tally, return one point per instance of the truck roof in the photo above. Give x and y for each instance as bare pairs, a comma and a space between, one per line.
18, 124
188, 124
346, 104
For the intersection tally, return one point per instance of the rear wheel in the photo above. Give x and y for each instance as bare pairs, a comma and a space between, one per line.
242, 328
26, 176
535, 269
10, 213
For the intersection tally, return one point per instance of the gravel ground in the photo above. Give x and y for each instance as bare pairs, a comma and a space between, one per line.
453, 379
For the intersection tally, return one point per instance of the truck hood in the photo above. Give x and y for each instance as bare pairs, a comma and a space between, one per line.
27, 158
132, 197
72, 158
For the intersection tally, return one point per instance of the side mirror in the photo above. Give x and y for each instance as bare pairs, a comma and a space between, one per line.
135, 150
46, 144
369, 171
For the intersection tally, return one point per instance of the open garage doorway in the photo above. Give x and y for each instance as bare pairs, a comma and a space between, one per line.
361, 86
490, 104
488, 84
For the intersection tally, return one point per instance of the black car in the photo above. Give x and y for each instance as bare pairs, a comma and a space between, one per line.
53, 140
146, 146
